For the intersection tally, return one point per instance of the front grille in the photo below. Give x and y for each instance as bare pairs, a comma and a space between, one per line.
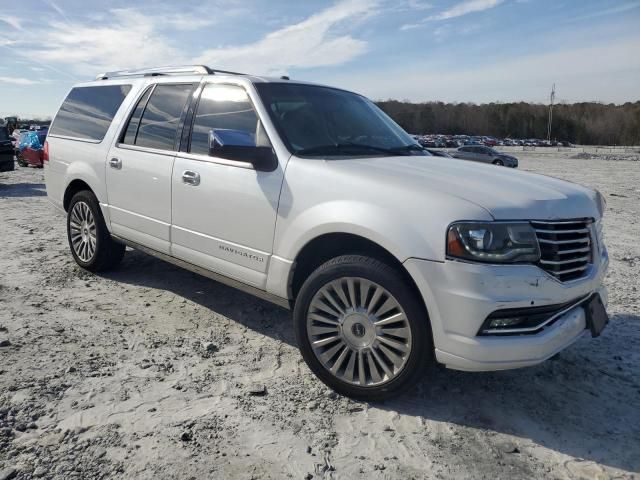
565, 247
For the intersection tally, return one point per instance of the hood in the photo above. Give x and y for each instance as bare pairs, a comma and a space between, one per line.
506, 194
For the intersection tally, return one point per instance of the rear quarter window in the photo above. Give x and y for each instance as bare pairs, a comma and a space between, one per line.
87, 112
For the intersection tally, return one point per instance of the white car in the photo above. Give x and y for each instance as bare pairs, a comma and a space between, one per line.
311, 197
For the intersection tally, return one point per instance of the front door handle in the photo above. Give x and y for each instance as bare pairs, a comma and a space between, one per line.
115, 163
191, 178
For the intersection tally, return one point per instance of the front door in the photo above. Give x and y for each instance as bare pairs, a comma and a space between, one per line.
139, 167
224, 211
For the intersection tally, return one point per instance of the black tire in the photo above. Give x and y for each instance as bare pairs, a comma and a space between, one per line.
21, 161
393, 282
108, 253
498, 162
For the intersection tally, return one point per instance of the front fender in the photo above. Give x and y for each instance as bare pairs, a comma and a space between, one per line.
380, 226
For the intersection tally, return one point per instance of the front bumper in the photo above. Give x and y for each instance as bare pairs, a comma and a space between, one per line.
459, 297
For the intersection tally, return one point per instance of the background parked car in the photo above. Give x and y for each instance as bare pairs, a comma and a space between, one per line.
31, 148
480, 153
438, 153
6, 151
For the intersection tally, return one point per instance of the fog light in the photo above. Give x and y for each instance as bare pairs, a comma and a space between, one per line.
506, 322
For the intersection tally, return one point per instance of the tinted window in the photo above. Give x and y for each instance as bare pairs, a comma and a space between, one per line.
319, 121
87, 112
134, 121
3, 134
224, 107
161, 117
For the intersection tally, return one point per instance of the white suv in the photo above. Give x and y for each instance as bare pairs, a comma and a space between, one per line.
311, 197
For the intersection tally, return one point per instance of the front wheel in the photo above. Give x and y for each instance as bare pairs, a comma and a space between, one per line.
361, 328
498, 162
91, 244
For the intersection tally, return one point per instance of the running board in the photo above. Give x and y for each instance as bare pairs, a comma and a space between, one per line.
256, 292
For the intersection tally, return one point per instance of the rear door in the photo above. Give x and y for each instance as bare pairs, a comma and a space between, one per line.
140, 163
224, 210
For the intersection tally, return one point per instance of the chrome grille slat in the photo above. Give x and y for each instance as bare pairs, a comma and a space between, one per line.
569, 270
565, 247
564, 242
574, 250
558, 222
564, 262
562, 232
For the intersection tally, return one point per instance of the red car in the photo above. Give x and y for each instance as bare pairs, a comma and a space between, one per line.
31, 148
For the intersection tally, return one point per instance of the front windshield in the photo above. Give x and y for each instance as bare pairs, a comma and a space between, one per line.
321, 121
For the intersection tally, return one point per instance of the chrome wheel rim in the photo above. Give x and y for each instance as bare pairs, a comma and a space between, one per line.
358, 331
82, 230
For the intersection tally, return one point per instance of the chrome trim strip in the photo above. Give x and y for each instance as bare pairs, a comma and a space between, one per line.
562, 242
563, 262
568, 270
256, 292
542, 325
562, 222
556, 232
573, 250
136, 148
75, 139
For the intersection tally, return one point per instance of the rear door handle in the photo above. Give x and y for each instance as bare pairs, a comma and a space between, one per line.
115, 163
191, 178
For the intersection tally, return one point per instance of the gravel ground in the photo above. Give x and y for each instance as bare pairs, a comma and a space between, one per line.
153, 372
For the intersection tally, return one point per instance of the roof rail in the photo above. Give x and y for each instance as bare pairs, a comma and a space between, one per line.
173, 70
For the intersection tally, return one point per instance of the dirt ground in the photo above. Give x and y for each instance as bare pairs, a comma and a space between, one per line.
153, 372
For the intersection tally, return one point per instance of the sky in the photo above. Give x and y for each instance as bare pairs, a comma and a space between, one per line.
419, 50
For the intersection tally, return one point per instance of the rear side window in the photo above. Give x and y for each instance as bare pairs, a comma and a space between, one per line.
161, 117
134, 121
87, 112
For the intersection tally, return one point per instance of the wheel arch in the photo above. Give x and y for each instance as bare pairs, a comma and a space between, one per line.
330, 245
74, 187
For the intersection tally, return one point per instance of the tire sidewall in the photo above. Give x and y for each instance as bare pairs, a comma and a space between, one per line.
393, 282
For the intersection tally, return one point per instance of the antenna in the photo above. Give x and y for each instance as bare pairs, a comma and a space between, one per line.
552, 97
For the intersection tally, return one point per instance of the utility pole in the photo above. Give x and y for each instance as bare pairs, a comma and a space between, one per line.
552, 97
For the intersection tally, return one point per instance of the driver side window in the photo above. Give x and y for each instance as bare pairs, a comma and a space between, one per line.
225, 108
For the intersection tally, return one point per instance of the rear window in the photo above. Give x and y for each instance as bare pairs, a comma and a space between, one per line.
160, 121
87, 112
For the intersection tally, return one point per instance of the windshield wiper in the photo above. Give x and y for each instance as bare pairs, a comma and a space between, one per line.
412, 147
342, 147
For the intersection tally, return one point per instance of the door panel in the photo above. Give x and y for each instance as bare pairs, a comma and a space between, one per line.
228, 220
140, 196
225, 218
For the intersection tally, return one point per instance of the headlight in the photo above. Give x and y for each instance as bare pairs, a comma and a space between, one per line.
493, 242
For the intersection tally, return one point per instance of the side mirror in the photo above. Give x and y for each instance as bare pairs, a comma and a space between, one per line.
240, 146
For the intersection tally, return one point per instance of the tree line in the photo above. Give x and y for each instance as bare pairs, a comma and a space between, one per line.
587, 123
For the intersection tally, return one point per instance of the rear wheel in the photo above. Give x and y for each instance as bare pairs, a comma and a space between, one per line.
21, 161
89, 240
361, 328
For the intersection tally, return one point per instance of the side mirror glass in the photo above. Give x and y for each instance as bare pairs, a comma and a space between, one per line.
241, 146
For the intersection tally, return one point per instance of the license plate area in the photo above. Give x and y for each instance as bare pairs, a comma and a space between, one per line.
595, 314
